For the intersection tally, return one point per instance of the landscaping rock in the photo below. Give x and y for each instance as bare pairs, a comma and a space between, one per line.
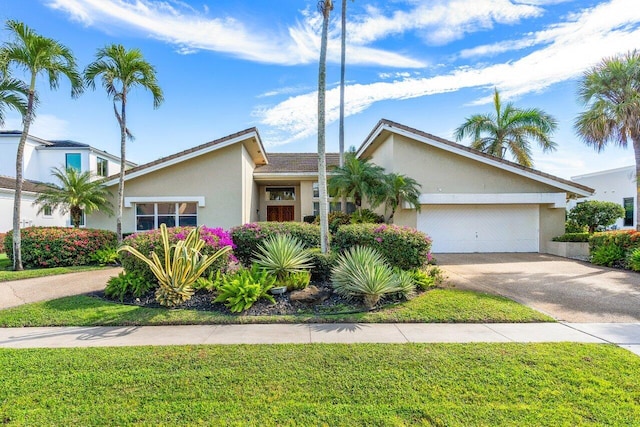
309, 295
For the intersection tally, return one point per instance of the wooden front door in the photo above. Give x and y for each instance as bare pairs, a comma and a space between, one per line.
280, 213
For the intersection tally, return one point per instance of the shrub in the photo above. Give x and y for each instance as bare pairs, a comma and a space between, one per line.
2, 243
633, 260
609, 255
59, 246
594, 214
151, 241
309, 219
247, 237
572, 237
402, 247
282, 255
626, 239
240, 290
405, 283
181, 266
366, 216
322, 264
125, 284
422, 279
295, 281
362, 272
105, 256
335, 220
571, 226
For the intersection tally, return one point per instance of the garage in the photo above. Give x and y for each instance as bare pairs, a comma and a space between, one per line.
481, 228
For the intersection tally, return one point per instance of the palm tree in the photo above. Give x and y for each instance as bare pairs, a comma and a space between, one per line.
120, 70
509, 129
357, 179
13, 94
35, 55
325, 7
343, 53
76, 193
398, 188
611, 94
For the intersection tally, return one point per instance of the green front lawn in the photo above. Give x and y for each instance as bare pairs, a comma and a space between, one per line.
336, 385
6, 274
439, 305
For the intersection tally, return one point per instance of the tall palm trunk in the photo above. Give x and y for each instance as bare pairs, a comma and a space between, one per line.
17, 200
343, 50
322, 164
123, 148
636, 152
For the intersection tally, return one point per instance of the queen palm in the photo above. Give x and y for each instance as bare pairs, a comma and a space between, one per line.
357, 179
509, 129
400, 188
76, 193
120, 71
611, 94
35, 55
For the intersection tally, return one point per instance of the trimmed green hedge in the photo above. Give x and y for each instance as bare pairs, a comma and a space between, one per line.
2, 237
247, 237
572, 237
151, 241
403, 247
59, 246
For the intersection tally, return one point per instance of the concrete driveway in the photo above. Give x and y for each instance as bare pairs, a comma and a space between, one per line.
565, 289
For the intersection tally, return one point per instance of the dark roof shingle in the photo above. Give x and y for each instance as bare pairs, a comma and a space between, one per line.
296, 163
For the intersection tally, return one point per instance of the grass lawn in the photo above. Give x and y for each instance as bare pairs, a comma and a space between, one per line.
322, 384
6, 274
439, 305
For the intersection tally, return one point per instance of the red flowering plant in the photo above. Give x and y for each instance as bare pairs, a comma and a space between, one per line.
150, 241
60, 246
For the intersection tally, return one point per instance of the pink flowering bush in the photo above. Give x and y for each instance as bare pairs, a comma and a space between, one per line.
247, 237
150, 241
402, 247
59, 246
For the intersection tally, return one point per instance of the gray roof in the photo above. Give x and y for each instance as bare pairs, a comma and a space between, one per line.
28, 185
68, 144
296, 163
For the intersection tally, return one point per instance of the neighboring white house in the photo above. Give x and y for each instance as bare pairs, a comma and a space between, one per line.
40, 156
613, 185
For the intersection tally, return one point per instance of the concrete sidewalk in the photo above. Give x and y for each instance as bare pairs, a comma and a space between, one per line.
18, 292
625, 335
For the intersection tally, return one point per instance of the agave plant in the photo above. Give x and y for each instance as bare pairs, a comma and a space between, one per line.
183, 265
362, 272
283, 255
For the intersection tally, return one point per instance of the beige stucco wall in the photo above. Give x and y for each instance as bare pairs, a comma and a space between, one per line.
217, 176
306, 198
250, 196
551, 225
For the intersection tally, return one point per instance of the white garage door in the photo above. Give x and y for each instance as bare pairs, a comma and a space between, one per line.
481, 228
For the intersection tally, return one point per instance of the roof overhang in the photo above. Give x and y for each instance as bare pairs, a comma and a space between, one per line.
386, 128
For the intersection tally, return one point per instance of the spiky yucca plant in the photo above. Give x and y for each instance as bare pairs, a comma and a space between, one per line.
282, 255
183, 265
362, 272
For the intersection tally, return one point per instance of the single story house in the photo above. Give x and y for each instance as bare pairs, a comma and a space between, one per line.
471, 202
613, 185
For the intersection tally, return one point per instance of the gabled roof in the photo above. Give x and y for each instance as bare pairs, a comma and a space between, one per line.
28, 185
68, 144
295, 163
256, 150
385, 126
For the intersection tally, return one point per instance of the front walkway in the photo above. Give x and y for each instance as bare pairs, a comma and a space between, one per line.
25, 291
626, 335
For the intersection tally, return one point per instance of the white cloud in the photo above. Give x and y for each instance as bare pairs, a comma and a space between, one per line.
570, 48
191, 30
45, 126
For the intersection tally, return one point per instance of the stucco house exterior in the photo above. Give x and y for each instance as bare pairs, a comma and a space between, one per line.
40, 156
470, 201
613, 185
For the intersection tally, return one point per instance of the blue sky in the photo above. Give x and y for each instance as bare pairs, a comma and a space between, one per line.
228, 65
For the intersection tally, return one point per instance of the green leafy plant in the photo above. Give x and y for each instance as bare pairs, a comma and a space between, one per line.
106, 256
322, 264
124, 284
283, 255
608, 255
405, 283
240, 290
182, 265
422, 279
294, 281
572, 237
366, 216
362, 272
633, 260
595, 214
335, 220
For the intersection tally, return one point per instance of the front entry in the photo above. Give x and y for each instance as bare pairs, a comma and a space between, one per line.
280, 213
